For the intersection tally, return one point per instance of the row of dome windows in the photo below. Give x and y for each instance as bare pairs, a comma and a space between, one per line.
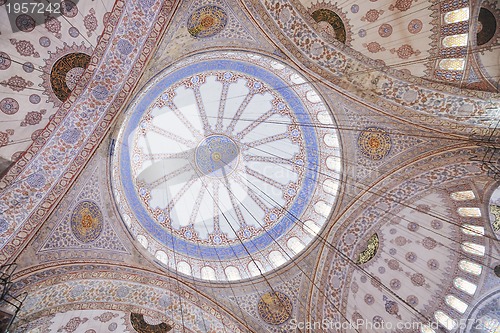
465, 265
255, 267
455, 64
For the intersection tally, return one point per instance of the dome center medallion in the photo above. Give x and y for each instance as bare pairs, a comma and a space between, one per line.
216, 156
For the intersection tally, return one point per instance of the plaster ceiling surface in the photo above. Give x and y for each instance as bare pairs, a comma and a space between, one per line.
43, 57
398, 33
218, 171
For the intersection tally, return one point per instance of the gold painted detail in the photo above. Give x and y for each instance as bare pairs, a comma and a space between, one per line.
370, 251
275, 307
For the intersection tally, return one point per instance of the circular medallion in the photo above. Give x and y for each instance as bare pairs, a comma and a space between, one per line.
28, 67
415, 26
69, 8
207, 21
35, 99
66, 72
44, 41
224, 134
73, 32
4, 61
25, 23
216, 156
86, 221
385, 30
274, 308
374, 143
9, 105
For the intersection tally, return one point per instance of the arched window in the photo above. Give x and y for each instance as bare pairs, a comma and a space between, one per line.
232, 273
470, 267
208, 273
452, 64
469, 211
473, 230
456, 303
322, 208
458, 15
184, 268
255, 268
474, 248
331, 140
463, 195
330, 186
276, 258
295, 245
311, 227
426, 329
162, 257
445, 320
143, 241
333, 163
455, 40
464, 285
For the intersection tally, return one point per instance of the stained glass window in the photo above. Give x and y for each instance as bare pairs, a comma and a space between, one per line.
463, 195
458, 15
455, 40
452, 64
473, 248
473, 230
456, 303
445, 320
470, 267
464, 285
469, 211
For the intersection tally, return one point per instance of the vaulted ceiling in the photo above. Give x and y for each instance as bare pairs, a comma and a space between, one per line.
262, 166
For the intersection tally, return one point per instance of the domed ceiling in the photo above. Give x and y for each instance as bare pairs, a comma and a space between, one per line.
247, 149
221, 170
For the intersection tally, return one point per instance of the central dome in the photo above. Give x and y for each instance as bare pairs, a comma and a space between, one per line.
219, 165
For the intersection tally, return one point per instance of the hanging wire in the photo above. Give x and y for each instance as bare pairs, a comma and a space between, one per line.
221, 211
